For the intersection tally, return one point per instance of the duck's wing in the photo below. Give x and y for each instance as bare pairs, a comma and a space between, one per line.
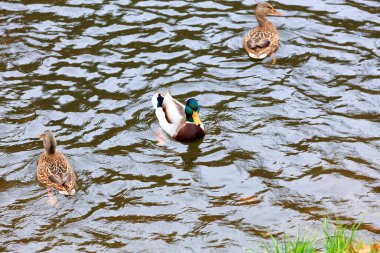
43, 169
61, 179
263, 43
171, 115
174, 110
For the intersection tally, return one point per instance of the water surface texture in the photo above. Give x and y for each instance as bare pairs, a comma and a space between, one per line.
286, 145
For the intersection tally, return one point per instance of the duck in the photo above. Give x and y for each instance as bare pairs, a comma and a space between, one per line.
53, 169
263, 40
181, 122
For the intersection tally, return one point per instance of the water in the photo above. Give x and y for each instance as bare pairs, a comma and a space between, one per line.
286, 145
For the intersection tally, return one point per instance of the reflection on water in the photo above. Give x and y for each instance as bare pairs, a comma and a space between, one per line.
286, 145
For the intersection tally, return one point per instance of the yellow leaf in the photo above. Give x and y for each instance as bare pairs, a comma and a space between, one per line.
365, 249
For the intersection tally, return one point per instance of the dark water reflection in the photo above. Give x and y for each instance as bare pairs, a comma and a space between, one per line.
286, 145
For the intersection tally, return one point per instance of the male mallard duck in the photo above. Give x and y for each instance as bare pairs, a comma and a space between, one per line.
53, 169
264, 39
179, 121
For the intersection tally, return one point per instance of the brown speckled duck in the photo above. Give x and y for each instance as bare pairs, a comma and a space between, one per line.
53, 170
263, 40
179, 121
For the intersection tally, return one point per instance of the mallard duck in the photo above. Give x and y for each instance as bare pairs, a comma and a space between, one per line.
263, 40
53, 169
179, 121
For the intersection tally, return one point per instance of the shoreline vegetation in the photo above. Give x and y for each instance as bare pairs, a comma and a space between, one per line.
334, 238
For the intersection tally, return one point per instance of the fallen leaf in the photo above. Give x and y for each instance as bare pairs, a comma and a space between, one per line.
365, 249
376, 248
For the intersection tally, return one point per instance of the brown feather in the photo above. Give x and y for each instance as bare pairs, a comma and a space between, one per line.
252, 44
189, 132
54, 170
267, 33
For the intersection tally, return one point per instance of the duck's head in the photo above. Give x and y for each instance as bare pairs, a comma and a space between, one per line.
49, 141
265, 9
192, 111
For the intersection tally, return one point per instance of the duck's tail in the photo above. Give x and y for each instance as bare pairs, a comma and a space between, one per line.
71, 192
157, 100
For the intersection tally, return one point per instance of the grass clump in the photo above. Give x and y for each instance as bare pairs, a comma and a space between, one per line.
335, 239
300, 245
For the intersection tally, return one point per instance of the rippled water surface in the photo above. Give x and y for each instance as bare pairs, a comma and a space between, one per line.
286, 144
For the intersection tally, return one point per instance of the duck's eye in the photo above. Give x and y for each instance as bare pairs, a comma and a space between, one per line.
195, 108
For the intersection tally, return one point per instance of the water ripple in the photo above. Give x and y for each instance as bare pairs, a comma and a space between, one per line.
283, 141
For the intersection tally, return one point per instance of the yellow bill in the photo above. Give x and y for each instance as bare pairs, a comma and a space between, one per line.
196, 119
275, 13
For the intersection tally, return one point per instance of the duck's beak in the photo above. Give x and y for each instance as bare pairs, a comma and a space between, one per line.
42, 136
196, 119
275, 13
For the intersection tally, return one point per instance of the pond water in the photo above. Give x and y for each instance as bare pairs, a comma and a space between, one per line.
286, 144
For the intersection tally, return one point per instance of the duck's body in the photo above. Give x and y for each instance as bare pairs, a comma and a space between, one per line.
53, 169
179, 121
263, 40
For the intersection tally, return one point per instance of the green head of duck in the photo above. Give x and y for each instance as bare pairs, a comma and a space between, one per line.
192, 111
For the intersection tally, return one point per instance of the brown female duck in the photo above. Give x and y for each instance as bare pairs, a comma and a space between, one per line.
179, 121
263, 40
53, 170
